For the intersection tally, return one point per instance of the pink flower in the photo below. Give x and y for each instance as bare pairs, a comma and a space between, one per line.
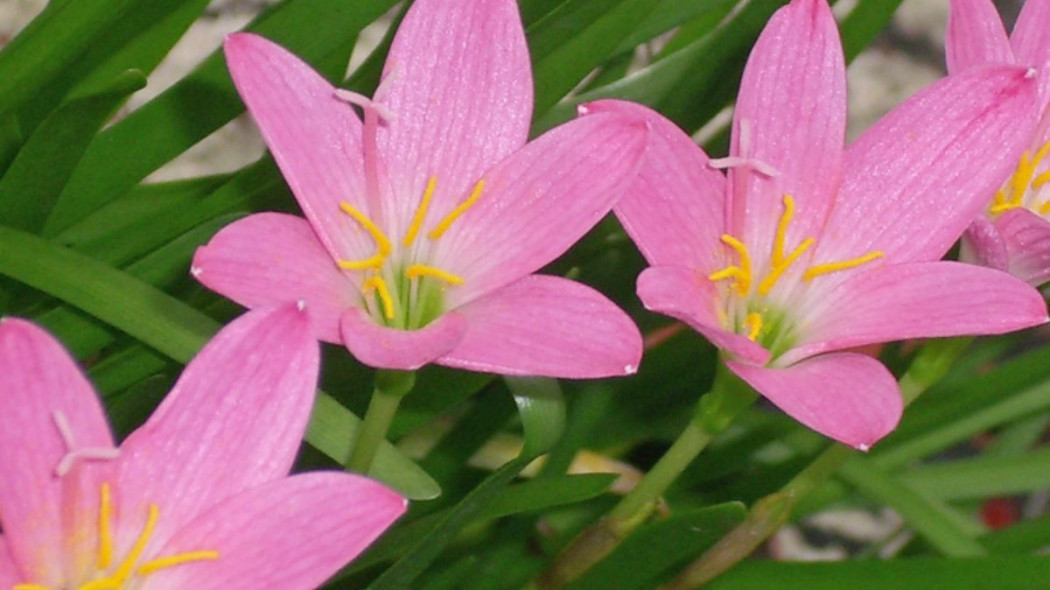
807, 249
424, 222
199, 496
1013, 233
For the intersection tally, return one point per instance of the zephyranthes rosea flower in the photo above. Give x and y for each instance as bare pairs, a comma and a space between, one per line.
424, 221
806, 249
1013, 233
199, 496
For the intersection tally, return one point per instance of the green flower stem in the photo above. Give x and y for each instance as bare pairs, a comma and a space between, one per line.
769, 513
716, 411
390, 387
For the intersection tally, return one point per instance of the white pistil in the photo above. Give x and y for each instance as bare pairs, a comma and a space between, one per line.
73, 454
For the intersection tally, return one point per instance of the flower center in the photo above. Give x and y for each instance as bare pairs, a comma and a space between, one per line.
1027, 180
129, 567
406, 294
755, 318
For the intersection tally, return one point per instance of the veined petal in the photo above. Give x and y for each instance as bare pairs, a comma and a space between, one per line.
686, 294
976, 36
919, 300
916, 179
405, 350
42, 393
549, 326
1027, 238
791, 115
538, 202
314, 136
460, 91
291, 534
235, 419
675, 208
983, 244
845, 396
1031, 35
270, 258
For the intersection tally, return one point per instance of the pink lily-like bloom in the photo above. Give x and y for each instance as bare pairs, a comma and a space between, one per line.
808, 249
425, 221
1013, 232
199, 496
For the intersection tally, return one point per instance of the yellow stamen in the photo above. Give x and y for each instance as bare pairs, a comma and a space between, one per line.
418, 270
741, 275
128, 564
771, 279
379, 285
1041, 180
753, 322
999, 203
103, 584
830, 267
782, 226
421, 212
165, 562
29, 587
1044, 208
382, 243
105, 535
445, 223
375, 262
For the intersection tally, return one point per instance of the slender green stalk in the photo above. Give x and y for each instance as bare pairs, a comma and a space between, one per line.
771, 512
390, 387
715, 412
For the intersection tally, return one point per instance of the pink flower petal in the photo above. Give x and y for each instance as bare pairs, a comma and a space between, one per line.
793, 105
235, 419
919, 300
460, 91
1031, 35
846, 396
405, 350
290, 534
9, 574
547, 326
38, 380
538, 202
688, 295
983, 244
1027, 238
271, 258
975, 36
675, 207
917, 178
314, 136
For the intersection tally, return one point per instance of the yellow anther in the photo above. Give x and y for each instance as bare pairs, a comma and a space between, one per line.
419, 270
830, 267
778, 269
1041, 180
753, 323
128, 564
782, 226
379, 285
105, 534
29, 587
375, 262
382, 243
1000, 203
741, 274
1044, 208
165, 562
445, 223
421, 213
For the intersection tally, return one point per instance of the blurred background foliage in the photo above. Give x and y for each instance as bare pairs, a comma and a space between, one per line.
96, 249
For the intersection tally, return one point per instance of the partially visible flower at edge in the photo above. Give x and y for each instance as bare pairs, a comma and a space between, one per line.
197, 497
425, 221
1013, 231
807, 250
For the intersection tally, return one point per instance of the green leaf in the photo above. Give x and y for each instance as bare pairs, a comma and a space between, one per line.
647, 555
39, 173
176, 330
669, 14
982, 477
1001, 573
542, 408
576, 38
319, 31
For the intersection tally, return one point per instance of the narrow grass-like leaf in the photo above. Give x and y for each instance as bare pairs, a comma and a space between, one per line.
542, 408
982, 477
